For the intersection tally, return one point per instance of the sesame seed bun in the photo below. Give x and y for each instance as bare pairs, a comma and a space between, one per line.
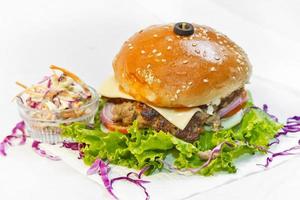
159, 67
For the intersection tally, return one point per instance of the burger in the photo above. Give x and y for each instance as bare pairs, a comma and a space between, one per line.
177, 79
177, 101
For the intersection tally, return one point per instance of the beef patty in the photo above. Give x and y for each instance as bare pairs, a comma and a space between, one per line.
126, 111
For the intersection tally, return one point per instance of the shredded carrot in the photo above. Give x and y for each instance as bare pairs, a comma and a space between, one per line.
21, 85
68, 73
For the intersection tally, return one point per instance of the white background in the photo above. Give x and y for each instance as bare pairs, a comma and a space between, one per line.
84, 36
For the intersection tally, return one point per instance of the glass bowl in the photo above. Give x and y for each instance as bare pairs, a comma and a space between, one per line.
41, 126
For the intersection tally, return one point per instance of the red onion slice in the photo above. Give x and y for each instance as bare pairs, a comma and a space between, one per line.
235, 103
106, 115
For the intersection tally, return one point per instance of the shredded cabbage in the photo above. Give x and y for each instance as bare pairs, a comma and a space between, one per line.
36, 147
9, 139
102, 168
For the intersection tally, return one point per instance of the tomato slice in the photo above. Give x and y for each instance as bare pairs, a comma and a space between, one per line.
106, 120
115, 127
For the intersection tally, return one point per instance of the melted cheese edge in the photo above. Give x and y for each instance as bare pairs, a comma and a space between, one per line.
179, 118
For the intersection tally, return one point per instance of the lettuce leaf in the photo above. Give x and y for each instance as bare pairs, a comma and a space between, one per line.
147, 147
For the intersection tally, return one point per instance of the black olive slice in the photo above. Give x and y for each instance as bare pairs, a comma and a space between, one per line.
183, 29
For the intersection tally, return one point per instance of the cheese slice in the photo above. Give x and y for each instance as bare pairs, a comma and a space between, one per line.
110, 88
179, 117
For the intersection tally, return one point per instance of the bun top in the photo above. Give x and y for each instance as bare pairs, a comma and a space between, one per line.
160, 67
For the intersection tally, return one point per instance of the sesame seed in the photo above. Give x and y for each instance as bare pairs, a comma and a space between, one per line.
169, 47
163, 60
178, 91
185, 61
213, 69
131, 47
205, 80
190, 83
158, 54
143, 52
170, 39
155, 35
154, 50
129, 44
194, 44
148, 66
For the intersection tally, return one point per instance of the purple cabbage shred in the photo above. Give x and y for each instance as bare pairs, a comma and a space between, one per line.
43, 153
266, 110
212, 155
286, 152
292, 126
75, 146
17, 133
102, 169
